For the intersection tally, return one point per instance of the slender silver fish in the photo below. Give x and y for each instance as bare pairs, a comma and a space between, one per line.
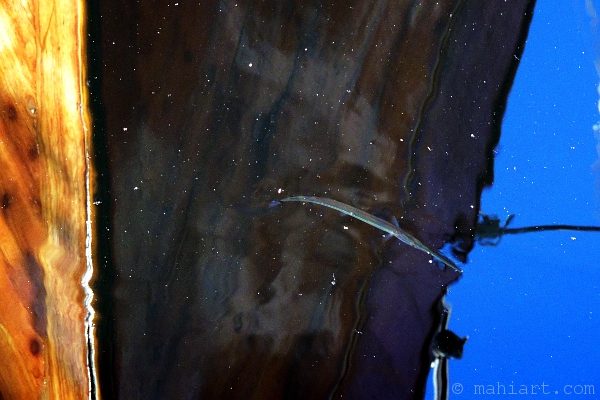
377, 223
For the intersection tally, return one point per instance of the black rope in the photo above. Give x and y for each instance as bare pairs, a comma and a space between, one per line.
489, 232
510, 231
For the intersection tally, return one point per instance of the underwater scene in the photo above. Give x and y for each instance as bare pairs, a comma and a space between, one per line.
299, 199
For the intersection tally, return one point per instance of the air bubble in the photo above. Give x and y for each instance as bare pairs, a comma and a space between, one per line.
31, 106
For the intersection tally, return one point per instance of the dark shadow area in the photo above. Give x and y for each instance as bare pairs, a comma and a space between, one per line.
104, 275
204, 113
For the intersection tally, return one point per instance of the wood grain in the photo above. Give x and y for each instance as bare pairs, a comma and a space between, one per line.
43, 186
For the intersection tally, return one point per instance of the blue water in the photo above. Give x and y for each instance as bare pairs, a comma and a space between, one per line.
531, 305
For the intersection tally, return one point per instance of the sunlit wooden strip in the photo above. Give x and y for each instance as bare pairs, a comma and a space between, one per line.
43, 193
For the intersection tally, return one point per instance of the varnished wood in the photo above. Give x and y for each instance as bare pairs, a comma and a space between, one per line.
44, 136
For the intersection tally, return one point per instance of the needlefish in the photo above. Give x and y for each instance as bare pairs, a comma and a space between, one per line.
378, 223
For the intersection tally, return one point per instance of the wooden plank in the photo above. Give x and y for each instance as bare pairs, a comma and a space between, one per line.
44, 140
